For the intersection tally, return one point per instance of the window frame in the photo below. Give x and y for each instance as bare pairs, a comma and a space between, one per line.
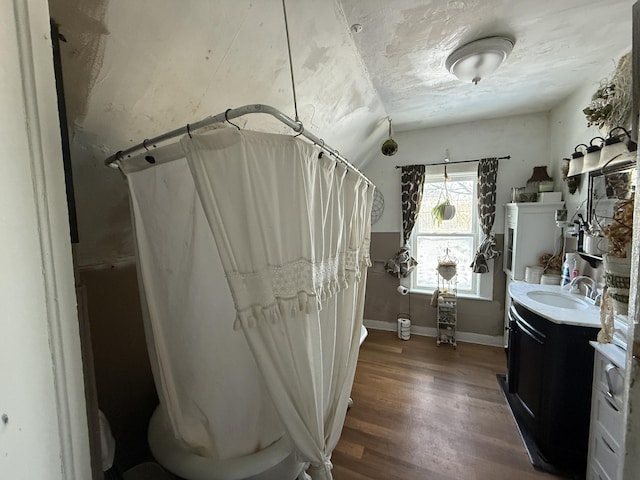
482, 284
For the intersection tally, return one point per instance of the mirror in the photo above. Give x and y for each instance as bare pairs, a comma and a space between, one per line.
606, 187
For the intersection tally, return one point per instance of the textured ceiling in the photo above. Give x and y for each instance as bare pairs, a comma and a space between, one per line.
137, 69
559, 44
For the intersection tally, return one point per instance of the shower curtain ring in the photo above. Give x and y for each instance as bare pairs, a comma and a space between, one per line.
189, 131
226, 117
301, 130
321, 145
144, 144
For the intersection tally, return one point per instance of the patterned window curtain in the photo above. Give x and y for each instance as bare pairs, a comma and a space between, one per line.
412, 182
487, 174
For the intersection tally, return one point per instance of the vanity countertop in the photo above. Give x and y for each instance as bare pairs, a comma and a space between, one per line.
582, 317
612, 352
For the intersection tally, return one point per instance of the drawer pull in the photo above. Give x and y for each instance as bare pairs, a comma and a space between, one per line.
607, 373
607, 444
610, 403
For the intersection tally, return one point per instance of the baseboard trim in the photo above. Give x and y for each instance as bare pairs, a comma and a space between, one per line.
469, 337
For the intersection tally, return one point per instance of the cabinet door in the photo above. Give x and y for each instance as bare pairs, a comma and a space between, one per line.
512, 347
528, 356
509, 239
530, 230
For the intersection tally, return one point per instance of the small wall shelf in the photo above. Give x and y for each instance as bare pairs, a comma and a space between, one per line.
593, 260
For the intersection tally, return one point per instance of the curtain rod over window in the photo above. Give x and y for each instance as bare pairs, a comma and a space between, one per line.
226, 116
507, 157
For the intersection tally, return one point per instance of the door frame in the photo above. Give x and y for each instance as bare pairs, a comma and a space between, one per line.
43, 427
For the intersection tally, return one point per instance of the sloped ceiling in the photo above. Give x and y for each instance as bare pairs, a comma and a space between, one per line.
135, 69
151, 66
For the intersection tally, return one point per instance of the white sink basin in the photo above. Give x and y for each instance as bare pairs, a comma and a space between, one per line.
558, 300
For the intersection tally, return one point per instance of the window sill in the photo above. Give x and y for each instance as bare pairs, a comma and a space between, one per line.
470, 296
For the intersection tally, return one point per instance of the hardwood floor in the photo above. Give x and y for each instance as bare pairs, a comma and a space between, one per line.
427, 412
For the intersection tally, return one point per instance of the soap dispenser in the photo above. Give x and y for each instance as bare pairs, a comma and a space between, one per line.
569, 268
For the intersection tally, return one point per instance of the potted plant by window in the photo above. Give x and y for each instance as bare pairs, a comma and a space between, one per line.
444, 210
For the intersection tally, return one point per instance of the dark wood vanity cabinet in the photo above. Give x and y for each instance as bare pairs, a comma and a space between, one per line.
550, 370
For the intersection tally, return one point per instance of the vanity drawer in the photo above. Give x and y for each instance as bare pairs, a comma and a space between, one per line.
510, 218
607, 418
605, 458
609, 378
595, 472
606, 451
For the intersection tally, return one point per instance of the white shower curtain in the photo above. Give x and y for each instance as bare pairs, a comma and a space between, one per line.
207, 381
292, 232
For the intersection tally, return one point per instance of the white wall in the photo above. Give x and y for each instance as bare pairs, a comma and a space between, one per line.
523, 137
43, 427
568, 127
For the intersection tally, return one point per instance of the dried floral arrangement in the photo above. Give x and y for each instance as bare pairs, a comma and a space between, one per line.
447, 260
448, 263
601, 107
611, 103
550, 262
620, 231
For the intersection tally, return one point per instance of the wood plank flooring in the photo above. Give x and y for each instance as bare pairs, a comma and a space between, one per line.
427, 412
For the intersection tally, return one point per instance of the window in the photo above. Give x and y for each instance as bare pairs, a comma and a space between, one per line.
461, 235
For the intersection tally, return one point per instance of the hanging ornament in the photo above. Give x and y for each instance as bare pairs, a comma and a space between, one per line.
389, 147
447, 266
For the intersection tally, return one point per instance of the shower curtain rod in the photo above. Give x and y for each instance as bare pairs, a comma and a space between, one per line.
507, 157
230, 114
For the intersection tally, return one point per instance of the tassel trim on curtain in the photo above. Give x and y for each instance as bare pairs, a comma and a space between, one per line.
284, 250
294, 288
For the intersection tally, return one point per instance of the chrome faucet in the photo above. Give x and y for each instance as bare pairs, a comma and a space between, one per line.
590, 289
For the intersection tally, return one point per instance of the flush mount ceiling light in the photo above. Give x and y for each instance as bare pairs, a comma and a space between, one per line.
474, 61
